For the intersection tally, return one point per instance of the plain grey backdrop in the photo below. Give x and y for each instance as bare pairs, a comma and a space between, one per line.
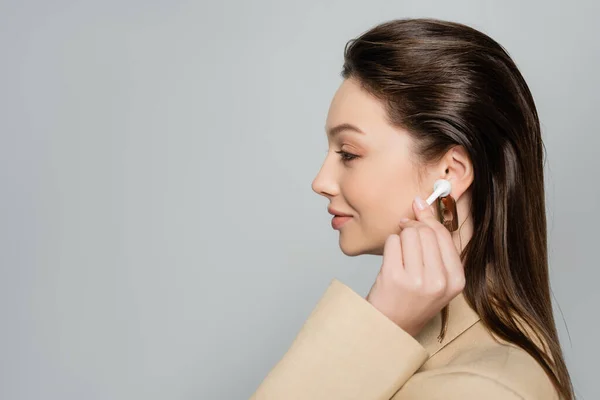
159, 236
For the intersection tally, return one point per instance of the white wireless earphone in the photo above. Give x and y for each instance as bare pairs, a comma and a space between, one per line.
441, 188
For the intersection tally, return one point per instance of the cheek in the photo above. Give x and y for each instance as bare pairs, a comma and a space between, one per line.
380, 193
362, 189
388, 197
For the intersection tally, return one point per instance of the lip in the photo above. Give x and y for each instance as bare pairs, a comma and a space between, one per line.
337, 213
337, 221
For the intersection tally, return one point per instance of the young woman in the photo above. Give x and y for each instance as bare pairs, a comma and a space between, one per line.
454, 313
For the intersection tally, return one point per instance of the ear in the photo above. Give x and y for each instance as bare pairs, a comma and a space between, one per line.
457, 167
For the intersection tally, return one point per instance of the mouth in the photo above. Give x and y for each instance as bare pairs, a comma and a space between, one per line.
339, 220
337, 213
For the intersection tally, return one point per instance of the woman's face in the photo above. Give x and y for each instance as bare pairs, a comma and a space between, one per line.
378, 186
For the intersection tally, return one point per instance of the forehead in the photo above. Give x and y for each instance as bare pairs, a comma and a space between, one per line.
353, 105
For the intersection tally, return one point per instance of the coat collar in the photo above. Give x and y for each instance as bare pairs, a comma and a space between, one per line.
460, 318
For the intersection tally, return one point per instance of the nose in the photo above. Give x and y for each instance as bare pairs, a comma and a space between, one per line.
325, 183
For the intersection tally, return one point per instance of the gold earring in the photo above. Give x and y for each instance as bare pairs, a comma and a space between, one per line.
447, 203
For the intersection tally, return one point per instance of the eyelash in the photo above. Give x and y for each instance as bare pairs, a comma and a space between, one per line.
346, 156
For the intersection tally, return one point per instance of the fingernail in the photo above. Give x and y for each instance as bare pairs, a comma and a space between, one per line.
421, 204
404, 220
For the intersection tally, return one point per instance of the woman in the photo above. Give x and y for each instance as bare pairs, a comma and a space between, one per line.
454, 313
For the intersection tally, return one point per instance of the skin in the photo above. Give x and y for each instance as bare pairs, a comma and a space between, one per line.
421, 269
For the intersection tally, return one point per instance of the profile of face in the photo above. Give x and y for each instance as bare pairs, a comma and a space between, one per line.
369, 172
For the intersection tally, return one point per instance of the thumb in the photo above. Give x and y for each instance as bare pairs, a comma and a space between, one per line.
421, 209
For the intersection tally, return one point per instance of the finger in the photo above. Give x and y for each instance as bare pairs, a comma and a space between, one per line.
412, 251
449, 252
422, 210
434, 270
392, 255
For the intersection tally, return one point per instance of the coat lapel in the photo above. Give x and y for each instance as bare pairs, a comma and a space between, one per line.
460, 318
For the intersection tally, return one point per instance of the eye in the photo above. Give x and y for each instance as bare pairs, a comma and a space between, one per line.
346, 156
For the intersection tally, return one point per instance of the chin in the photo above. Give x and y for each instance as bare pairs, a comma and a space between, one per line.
356, 248
352, 252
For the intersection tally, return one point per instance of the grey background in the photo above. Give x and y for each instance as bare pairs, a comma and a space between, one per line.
159, 236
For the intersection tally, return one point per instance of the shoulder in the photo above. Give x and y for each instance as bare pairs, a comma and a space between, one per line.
476, 367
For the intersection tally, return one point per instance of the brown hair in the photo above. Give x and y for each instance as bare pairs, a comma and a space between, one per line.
449, 84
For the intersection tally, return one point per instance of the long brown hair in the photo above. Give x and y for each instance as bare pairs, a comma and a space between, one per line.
449, 84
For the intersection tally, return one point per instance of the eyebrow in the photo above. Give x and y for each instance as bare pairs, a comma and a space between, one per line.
343, 127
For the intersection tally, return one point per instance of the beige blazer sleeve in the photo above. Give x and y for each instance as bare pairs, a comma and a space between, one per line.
346, 349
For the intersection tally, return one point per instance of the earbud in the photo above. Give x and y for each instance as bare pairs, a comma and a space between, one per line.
441, 188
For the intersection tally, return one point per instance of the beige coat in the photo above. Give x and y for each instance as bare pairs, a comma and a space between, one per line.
347, 349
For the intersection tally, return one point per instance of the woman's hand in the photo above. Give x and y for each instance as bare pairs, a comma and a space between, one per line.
421, 272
